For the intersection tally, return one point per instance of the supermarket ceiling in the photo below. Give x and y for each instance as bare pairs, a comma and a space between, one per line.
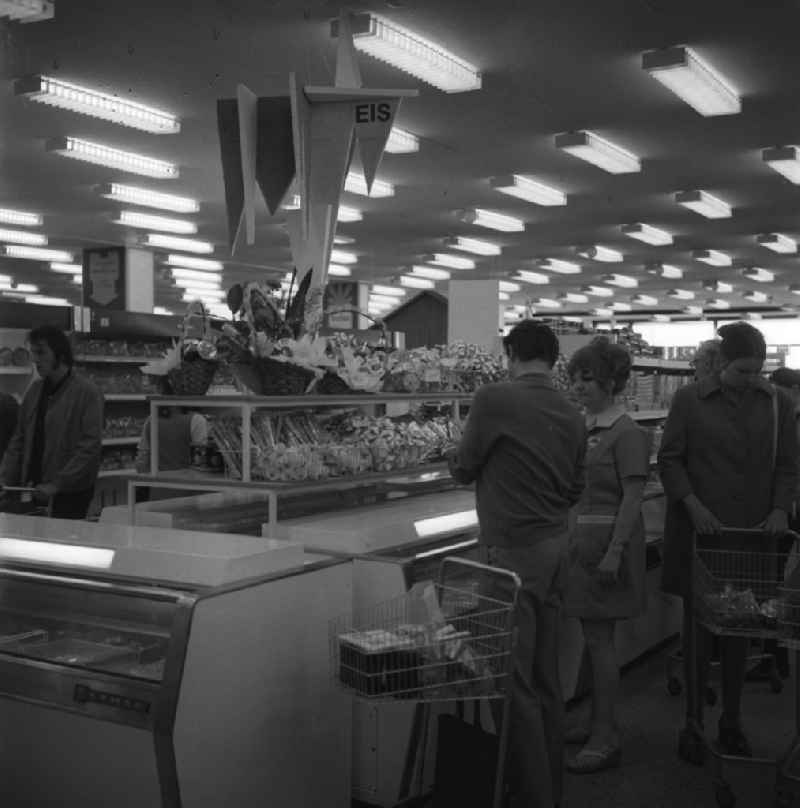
548, 67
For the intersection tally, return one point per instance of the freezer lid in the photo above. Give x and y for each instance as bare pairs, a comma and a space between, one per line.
388, 526
143, 553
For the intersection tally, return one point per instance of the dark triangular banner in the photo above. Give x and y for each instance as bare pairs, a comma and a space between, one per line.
230, 152
275, 167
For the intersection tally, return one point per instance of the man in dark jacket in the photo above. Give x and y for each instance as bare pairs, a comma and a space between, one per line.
524, 446
9, 413
57, 444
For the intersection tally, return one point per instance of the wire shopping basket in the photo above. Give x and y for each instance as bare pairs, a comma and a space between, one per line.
739, 592
445, 640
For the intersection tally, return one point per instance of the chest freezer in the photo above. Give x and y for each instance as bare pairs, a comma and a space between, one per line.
143, 667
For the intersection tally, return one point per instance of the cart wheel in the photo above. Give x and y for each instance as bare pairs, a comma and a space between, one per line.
711, 696
775, 683
674, 686
691, 747
725, 796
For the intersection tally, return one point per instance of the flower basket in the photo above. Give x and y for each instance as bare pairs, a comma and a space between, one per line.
331, 384
192, 378
269, 377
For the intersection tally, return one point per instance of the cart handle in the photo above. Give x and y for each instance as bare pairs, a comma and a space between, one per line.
475, 565
752, 531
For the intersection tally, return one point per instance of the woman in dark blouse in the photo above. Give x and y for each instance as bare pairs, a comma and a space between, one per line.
728, 458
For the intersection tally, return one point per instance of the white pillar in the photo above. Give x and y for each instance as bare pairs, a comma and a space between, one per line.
473, 313
139, 280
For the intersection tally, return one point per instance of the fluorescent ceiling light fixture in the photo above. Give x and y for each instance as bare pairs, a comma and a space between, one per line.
695, 311
619, 306
623, 281
356, 184
147, 221
347, 214
603, 312
339, 271
134, 195
503, 296
508, 286
343, 257
97, 153
391, 291
647, 234
6, 280
575, 297
645, 300
66, 269
401, 142
25, 11
292, 203
600, 152
528, 189
559, 266
416, 283
713, 258
777, 243
21, 218
716, 303
693, 80
203, 293
756, 297
452, 261
705, 204
662, 318
603, 254
23, 237
36, 253
191, 262
197, 275
532, 277
681, 294
598, 291
795, 288
161, 310
547, 303
44, 300
665, 271
87, 101
175, 243
474, 245
77, 280
493, 220
340, 239
754, 315
759, 274
22, 288
721, 287
198, 287
431, 273
406, 50
785, 161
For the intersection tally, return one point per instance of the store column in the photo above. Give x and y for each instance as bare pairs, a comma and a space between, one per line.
473, 313
139, 280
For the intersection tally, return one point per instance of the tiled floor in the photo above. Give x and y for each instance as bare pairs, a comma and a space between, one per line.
652, 776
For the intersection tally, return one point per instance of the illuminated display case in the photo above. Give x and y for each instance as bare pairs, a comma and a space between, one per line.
145, 667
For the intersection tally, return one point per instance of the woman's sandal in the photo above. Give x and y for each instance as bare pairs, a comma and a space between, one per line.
588, 761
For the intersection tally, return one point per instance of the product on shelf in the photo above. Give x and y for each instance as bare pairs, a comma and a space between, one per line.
85, 347
127, 426
119, 459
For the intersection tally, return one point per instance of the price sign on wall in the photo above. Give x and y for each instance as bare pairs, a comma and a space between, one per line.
340, 300
104, 278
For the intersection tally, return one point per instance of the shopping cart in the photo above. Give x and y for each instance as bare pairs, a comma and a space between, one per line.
449, 641
738, 593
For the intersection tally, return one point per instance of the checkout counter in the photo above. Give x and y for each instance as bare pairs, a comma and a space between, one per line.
144, 667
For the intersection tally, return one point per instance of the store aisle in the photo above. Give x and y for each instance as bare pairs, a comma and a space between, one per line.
652, 776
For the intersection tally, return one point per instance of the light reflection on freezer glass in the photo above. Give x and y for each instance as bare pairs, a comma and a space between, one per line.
92, 630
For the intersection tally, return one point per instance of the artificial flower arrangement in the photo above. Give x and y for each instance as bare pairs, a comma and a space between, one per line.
188, 367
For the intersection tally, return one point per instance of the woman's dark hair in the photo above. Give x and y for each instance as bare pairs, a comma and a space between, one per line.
609, 364
55, 339
530, 340
742, 341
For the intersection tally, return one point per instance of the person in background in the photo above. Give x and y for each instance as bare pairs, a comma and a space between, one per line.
9, 414
57, 444
607, 548
524, 447
706, 360
179, 432
728, 458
